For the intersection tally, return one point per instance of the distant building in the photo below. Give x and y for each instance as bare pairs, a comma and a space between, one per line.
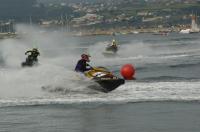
88, 19
144, 13
151, 19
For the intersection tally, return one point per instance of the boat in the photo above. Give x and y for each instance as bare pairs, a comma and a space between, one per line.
194, 27
106, 79
185, 31
135, 32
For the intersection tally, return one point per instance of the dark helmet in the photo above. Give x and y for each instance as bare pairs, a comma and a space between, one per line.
35, 49
85, 57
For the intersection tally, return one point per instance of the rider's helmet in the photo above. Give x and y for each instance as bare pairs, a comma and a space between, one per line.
35, 49
114, 42
85, 57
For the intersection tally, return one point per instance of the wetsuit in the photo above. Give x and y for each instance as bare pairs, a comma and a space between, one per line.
82, 66
33, 56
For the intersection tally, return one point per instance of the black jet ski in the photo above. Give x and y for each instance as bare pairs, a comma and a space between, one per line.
30, 61
104, 78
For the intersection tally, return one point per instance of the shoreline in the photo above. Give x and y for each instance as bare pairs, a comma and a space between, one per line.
124, 31
118, 31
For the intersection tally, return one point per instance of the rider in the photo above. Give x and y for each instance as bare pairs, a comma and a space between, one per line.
82, 64
34, 53
114, 43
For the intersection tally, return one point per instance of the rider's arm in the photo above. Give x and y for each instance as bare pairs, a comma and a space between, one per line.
88, 67
27, 52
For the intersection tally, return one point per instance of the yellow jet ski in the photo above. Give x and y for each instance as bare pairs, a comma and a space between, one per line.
104, 78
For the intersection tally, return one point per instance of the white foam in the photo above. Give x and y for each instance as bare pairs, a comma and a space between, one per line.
130, 92
22, 86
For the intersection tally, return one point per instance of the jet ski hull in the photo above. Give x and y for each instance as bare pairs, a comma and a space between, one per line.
113, 49
29, 63
105, 79
109, 85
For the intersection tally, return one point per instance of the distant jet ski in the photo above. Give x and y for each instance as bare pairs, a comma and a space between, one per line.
112, 48
29, 62
104, 78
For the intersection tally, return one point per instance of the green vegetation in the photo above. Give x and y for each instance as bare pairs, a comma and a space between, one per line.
139, 13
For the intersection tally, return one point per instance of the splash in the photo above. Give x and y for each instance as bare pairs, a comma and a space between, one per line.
54, 81
55, 63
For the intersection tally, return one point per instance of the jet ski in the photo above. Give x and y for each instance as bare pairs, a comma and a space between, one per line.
110, 51
30, 61
112, 48
104, 78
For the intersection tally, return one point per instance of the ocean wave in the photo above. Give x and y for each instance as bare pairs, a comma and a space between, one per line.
52, 102
155, 57
128, 93
181, 39
184, 65
167, 78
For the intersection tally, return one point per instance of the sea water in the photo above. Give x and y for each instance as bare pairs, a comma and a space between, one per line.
50, 97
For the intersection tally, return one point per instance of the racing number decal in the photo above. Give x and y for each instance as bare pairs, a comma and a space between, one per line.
98, 74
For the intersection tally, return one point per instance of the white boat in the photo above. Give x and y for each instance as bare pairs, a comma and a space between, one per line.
194, 27
79, 34
135, 32
185, 31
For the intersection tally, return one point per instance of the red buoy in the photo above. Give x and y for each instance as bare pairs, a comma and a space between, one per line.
128, 71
